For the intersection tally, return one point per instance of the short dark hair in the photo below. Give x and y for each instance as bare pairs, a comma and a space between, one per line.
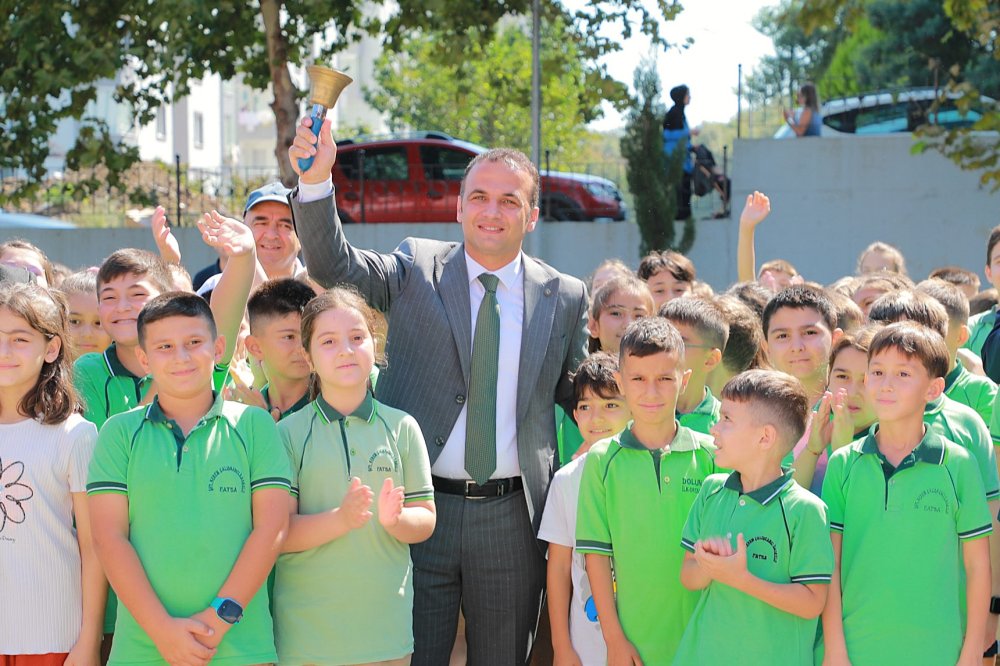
703, 315
800, 297
675, 263
277, 298
955, 275
983, 301
513, 159
881, 280
648, 336
910, 305
174, 304
81, 282
752, 294
991, 243
913, 341
744, 348
596, 374
858, 340
955, 304
132, 261
776, 398
849, 315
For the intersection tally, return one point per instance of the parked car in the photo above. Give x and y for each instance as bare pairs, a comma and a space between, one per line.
886, 113
29, 221
416, 178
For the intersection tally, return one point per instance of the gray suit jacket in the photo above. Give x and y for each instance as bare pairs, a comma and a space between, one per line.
423, 287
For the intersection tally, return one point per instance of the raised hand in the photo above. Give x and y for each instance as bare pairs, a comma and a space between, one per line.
166, 242
821, 431
390, 504
356, 507
228, 236
843, 422
306, 145
241, 392
755, 210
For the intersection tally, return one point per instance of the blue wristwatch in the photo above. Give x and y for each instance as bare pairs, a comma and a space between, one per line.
228, 610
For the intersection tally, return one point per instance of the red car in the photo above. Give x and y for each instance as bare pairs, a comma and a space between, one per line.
416, 179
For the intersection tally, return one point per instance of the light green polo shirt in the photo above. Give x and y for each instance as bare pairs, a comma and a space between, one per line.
568, 436
299, 404
971, 390
901, 556
106, 387
189, 503
787, 537
963, 426
980, 326
704, 416
349, 601
633, 505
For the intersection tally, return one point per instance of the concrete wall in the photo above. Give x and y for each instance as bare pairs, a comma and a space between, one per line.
830, 198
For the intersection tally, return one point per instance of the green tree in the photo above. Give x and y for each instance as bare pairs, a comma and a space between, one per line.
58, 51
653, 177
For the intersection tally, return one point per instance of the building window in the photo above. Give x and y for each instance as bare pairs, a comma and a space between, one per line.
161, 123
199, 130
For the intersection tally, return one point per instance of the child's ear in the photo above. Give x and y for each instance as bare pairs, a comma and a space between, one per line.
618, 380
253, 346
935, 389
768, 437
835, 336
140, 355
220, 347
963, 334
52, 349
593, 328
712, 359
685, 378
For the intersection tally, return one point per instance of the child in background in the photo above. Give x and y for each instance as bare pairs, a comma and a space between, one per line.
966, 281
704, 329
879, 257
609, 268
752, 294
601, 413
980, 303
669, 275
53, 587
744, 347
342, 446
850, 317
757, 542
22, 254
774, 275
982, 324
844, 413
960, 385
636, 491
907, 513
869, 287
85, 333
189, 498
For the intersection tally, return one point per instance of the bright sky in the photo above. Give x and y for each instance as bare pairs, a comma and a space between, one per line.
723, 38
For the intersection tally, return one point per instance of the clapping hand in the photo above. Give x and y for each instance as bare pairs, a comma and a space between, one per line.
843, 422
718, 559
356, 507
390, 504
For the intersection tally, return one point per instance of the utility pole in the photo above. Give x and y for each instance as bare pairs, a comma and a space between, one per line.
536, 84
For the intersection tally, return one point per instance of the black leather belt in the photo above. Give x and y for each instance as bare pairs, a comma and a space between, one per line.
492, 488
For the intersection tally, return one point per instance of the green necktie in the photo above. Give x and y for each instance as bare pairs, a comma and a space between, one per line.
481, 424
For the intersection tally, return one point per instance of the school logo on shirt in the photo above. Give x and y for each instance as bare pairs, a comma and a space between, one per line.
227, 480
762, 548
932, 500
383, 460
689, 485
13, 494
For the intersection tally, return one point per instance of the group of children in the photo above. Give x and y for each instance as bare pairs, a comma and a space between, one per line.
785, 473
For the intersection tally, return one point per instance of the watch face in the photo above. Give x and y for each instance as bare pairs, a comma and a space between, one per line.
230, 611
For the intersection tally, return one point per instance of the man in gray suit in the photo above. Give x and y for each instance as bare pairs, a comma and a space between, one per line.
491, 447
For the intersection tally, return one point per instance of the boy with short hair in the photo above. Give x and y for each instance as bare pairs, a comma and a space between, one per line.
966, 281
636, 492
669, 275
705, 332
744, 346
757, 542
960, 385
600, 413
189, 503
800, 327
275, 340
981, 324
904, 494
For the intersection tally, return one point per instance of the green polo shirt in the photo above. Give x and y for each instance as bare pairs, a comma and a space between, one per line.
971, 390
568, 437
963, 426
980, 326
349, 601
704, 416
299, 404
787, 537
190, 512
632, 507
901, 557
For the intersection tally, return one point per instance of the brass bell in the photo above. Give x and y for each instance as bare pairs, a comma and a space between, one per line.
327, 84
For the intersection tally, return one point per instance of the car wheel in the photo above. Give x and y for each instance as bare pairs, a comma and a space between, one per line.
562, 210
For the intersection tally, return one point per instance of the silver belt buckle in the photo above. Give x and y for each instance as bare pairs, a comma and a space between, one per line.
468, 486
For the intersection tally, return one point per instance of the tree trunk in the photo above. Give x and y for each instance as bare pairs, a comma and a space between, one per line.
285, 109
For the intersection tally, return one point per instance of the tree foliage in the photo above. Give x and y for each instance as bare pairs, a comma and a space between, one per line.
653, 177
58, 51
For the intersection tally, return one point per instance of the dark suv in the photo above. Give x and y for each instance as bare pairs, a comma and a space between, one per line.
416, 179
